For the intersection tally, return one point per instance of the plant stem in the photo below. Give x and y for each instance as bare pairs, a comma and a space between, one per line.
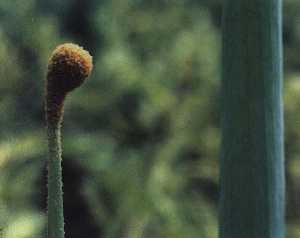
252, 153
68, 67
55, 193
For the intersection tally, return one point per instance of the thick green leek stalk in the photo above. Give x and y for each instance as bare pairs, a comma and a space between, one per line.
252, 153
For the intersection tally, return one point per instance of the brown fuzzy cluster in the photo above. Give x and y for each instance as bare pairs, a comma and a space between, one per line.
68, 67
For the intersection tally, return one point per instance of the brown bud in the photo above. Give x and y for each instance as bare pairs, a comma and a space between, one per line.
68, 67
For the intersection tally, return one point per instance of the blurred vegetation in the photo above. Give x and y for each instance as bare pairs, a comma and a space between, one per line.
141, 138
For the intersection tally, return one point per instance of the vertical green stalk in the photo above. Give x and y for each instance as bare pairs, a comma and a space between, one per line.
252, 153
68, 68
55, 193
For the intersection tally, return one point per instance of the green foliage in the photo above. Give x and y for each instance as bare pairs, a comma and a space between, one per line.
141, 138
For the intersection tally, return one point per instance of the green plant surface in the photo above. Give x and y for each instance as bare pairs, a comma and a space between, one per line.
252, 199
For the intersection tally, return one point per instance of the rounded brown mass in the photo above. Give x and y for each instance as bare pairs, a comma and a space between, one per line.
68, 67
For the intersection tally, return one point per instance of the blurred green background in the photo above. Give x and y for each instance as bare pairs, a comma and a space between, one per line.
141, 138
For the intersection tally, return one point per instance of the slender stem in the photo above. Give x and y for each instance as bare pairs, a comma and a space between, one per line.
55, 193
252, 160
68, 67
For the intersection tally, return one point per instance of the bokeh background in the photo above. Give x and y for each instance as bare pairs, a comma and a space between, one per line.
141, 138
